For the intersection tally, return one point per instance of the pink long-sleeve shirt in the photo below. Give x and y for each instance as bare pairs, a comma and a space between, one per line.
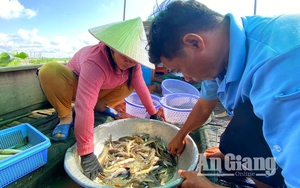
94, 71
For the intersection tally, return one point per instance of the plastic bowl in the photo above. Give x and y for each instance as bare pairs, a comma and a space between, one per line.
135, 107
188, 160
177, 106
177, 86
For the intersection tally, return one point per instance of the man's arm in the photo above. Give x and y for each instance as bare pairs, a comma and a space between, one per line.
198, 116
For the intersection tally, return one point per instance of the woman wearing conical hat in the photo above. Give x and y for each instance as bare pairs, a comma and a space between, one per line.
95, 78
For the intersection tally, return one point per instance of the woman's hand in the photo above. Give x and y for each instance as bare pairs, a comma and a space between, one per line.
156, 117
91, 166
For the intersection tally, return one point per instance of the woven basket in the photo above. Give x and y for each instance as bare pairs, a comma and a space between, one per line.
177, 106
135, 107
177, 86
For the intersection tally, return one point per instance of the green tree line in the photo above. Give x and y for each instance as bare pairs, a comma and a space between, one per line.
16, 59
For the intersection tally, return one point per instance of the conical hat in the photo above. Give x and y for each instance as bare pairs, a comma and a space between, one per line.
127, 37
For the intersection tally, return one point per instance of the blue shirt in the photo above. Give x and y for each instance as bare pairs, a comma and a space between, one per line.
264, 66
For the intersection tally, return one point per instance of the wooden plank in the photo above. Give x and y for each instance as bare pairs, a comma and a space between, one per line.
8, 121
26, 119
19, 90
37, 116
48, 112
14, 123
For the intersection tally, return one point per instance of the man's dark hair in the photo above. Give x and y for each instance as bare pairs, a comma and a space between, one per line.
174, 19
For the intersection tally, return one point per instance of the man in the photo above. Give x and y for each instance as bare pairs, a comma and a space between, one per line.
251, 65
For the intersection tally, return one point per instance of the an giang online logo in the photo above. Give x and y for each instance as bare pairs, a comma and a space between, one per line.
236, 165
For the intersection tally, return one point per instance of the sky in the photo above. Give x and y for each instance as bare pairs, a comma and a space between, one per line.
59, 28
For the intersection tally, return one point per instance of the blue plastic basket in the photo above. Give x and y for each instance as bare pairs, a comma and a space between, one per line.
33, 156
135, 107
177, 86
177, 106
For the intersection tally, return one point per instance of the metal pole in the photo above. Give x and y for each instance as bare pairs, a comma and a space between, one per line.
255, 2
124, 10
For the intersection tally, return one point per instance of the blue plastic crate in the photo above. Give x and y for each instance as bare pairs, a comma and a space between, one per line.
147, 75
33, 156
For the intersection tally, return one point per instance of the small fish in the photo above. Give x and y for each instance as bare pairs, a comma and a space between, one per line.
114, 150
4, 156
23, 142
123, 154
9, 151
122, 162
118, 182
136, 161
145, 171
167, 175
103, 155
116, 173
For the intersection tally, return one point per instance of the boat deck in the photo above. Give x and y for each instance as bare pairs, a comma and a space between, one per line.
53, 175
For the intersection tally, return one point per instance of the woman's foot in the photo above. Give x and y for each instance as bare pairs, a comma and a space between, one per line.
102, 107
67, 119
61, 131
111, 112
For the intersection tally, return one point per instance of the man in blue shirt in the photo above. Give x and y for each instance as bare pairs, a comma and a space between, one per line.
252, 66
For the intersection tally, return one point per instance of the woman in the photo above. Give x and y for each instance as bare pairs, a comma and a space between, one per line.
95, 78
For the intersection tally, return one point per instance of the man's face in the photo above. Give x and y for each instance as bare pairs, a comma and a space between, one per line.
196, 67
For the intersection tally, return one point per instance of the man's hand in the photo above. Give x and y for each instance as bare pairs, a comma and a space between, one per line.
90, 166
214, 152
192, 179
176, 145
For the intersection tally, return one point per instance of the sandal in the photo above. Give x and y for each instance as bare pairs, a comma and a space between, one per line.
61, 131
111, 112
